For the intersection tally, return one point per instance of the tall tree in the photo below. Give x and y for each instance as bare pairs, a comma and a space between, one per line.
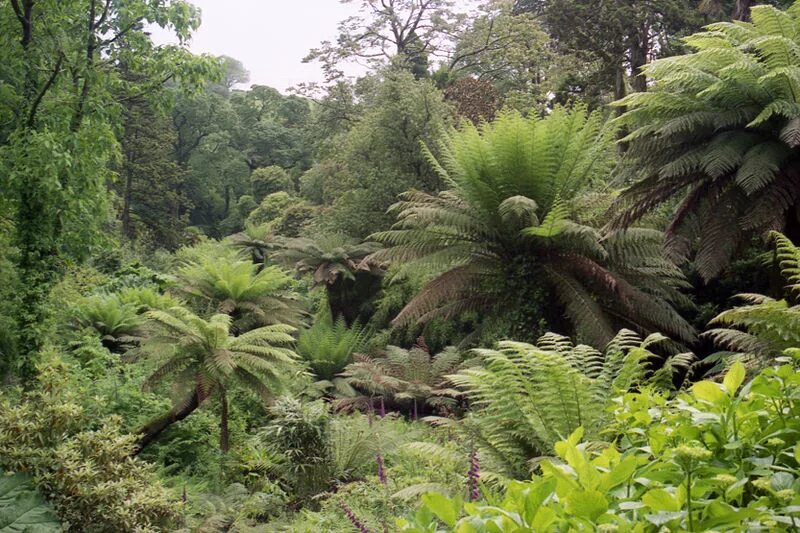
616, 38
405, 31
151, 183
63, 94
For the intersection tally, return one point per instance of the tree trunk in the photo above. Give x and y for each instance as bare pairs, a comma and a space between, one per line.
127, 230
152, 430
224, 434
639, 49
620, 93
741, 10
227, 200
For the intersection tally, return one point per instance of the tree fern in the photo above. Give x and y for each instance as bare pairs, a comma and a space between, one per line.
339, 263
328, 346
205, 357
720, 129
252, 296
412, 379
527, 397
509, 217
116, 321
763, 328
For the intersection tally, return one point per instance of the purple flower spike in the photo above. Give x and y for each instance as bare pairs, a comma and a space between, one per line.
381, 469
474, 476
358, 524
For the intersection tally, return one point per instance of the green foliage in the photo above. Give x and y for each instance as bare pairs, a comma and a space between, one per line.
721, 457
765, 328
381, 155
283, 214
719, 131
298, 435
22, 507
61, 95
414, 378
329, 257
205, 354
80, 463
268, 180
328, 345
118, 324
526, 398
508, 217
205, 358
251, 296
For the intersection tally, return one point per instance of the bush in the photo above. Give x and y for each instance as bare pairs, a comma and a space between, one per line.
718, 457
83, 465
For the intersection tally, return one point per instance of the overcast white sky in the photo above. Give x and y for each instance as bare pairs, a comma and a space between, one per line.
270, 37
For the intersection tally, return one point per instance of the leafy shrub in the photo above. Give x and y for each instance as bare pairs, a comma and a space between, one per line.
83, 465
270, 208
720, 457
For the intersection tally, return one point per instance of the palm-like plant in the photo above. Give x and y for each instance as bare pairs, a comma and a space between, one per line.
528, 397
118, 323
412, 377
339, 263
252, 297
764, 328
258, 241
504, 234
204, 356
720, 130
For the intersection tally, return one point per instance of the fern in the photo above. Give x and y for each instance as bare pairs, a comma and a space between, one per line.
510, 216
252, 296
328, 346
115, 320
761, 330
412, 378
528, 397
720, 127
205, 357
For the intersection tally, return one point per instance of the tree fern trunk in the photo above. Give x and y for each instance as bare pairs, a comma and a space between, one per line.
741, 10
152, 430
224, 433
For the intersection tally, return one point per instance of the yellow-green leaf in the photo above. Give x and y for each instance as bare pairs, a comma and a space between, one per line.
734, 377
708, 391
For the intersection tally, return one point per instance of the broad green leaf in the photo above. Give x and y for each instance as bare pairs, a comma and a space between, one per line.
588, 504
443, 507
734, 377
708, 391
22, 509
661, 500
